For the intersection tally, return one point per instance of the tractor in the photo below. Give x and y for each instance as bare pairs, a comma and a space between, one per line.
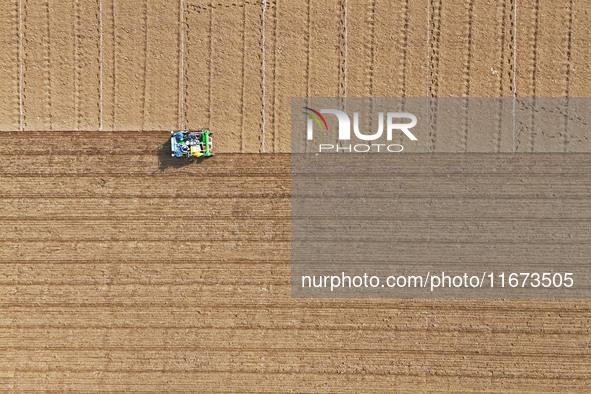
191, 143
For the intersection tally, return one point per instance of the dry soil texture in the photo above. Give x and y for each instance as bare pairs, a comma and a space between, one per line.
124, 269
234, 66
129, 271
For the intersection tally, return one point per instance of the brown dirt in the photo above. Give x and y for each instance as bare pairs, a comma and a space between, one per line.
96, 290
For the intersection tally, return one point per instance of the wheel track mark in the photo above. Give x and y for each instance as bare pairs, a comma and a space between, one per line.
77, 68
209, 90
308, 48
24, 73
569, 47
534, 72
513, 68
342, 72
20, 60
404, 13
47, 64
467, 66
181, 106
274, 112
502, 73
185, 67
346, 48
243, 77
263, 92
370, 47
404, 60
100, 19
308, 51
433, 69
114, 92
428, 72
145, 77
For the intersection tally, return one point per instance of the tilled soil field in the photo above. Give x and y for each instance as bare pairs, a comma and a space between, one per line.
125, 269
132, 270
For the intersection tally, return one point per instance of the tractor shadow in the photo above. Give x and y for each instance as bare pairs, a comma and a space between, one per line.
165, 160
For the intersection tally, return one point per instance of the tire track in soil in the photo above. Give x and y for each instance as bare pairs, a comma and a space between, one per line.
275, 7
243, 79
145, 17
326, 73
433, 82
161, 85
502, 69
111, 64
36, 110
47, 66
227, 41
449, 72
182, 34
88, 64
198, 67
569, 47
343, 44
534, 80
76, 65
580, 77
290, 66
308, 51
263, 87
129, 65
210, 53
544, 61
61, 25
405, 46
466, 71
9, 66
